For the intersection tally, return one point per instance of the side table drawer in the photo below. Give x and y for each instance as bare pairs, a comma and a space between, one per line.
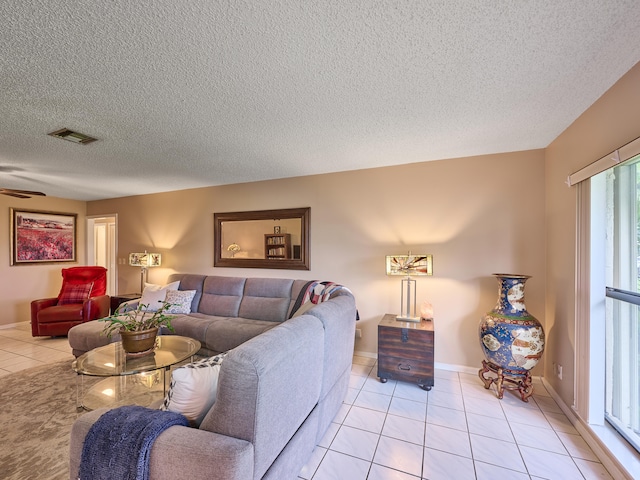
403, 342
398, 367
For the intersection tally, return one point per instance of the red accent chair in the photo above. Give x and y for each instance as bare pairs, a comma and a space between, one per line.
81, 299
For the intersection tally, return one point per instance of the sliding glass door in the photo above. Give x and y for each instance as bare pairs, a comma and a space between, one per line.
622, 278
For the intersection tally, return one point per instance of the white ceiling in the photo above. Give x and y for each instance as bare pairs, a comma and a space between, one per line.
185, 94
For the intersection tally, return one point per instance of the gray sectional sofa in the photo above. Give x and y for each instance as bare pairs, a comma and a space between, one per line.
280, 385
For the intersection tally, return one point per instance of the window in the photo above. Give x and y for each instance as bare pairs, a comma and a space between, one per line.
622, 307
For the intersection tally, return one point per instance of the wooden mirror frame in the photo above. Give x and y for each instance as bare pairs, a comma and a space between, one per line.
303, 263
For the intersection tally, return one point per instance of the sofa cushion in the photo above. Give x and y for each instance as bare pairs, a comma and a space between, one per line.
180, 301
193, 389
189, 281
223, 334
74, 293
153, 295
266, 299
221, 296
61, 313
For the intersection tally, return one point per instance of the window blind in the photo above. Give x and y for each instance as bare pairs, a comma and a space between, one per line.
622, 154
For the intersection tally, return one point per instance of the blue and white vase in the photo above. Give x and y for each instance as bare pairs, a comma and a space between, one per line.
511, 338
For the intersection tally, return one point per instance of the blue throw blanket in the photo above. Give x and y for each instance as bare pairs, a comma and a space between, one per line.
119, 444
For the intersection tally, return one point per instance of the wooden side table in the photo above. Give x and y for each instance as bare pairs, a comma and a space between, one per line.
405, 351
116, 300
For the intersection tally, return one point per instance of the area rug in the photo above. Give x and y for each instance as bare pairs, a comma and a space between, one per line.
37, 409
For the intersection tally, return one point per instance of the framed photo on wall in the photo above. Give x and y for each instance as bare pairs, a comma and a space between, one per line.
42, 237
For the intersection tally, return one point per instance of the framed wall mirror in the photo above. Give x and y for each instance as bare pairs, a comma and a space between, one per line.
262, 239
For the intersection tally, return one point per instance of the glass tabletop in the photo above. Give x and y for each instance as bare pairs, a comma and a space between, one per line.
111, 360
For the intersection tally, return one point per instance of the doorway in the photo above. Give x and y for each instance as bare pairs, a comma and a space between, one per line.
101, 248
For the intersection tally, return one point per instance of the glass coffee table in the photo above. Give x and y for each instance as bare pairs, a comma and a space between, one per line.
129, 380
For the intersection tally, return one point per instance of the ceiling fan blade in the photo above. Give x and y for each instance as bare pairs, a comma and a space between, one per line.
12, 194
24, 192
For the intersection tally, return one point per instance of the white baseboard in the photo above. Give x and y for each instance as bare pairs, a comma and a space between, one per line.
618, 457
365, 354
11, 325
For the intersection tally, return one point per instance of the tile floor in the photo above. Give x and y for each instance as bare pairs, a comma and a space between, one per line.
19, 350
457, 431
397, 431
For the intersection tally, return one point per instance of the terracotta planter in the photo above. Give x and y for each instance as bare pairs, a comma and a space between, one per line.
139, 342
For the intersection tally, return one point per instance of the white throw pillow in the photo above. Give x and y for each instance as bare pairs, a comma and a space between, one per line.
153, 295
180, 300
194, 388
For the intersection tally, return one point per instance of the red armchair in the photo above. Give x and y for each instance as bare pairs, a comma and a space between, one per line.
81, 298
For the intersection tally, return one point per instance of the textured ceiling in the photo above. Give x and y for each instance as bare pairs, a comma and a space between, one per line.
185, 94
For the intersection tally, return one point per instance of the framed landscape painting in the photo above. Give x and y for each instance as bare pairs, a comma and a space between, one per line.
42, 237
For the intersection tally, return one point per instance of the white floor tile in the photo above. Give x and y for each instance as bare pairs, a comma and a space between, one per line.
398, 455
560, 423
337, 466
355, 442
470, 378
23, 365
550, 465
378, 472
329, 435
512, 398
447, 417
485, 471
537, 437
577, 447
592, 470
488, 407
448, 440
374, 401
372, 384
352, 393
449, 386
405, 429
361, 370
439, 465
497, 452
444, 399
445, 374
490, 427
365, 419
410, 391
356, 381
477, 390
342, 413
526, 416
547, 404
408, 408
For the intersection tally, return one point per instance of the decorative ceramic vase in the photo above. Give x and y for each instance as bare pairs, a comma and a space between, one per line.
139, 343
511, 338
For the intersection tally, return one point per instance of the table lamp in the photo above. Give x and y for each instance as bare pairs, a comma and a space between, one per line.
408, 266
144, 261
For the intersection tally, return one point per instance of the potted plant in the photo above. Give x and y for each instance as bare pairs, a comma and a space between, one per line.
138, 327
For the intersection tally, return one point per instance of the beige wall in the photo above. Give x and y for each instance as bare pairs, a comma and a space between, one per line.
608, 124
475, 215
22, 283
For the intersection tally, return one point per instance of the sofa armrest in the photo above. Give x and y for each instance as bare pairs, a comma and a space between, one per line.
179, 453
129, 305
96, 307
